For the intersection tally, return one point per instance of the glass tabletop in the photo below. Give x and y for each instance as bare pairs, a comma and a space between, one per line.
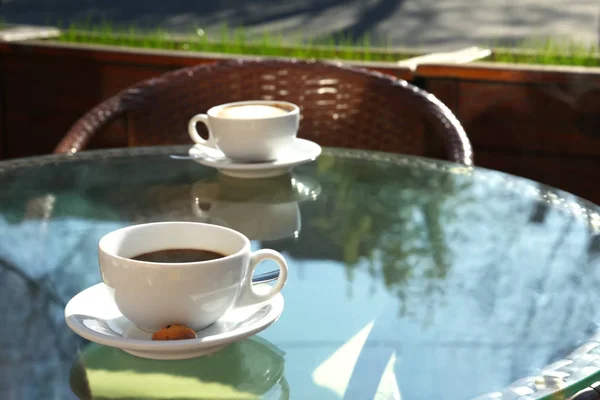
409, 279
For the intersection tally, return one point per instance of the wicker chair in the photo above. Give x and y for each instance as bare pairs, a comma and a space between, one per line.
341, 107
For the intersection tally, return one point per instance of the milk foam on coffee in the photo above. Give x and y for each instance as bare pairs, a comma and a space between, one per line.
252, 111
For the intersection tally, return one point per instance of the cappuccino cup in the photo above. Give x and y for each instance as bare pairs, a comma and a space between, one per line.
249, 131
155, 294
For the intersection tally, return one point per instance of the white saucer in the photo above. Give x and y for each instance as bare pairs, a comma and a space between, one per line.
93, 315
301, 151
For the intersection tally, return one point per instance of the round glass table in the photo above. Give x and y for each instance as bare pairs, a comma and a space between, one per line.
409, 279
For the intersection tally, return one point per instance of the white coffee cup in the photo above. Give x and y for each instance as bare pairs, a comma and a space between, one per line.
250, 131
195, 294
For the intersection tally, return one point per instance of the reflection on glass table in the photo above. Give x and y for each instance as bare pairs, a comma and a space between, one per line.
409, 278
248, 369
262, 209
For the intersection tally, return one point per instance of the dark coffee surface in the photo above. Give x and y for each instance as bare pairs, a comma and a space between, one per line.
178, 256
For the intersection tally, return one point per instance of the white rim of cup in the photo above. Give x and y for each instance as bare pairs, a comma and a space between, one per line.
149, 264
212, 112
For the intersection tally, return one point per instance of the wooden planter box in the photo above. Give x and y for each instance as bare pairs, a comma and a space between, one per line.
47, 86
538, 122
541, 122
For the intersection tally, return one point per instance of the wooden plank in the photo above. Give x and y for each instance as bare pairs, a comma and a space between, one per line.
34, 132
499, 72
55, 92
116, 77
44, 96
63, 84
552, 118
37, 132
108, 54
577, 175
446, 90
165, 58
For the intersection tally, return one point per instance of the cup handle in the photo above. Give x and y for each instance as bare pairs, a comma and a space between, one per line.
248, 296
194, 133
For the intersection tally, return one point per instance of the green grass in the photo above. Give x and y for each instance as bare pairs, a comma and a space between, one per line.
549, 51
231, 41
227, 40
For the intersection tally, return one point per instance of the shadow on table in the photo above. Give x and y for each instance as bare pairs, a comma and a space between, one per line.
247, 369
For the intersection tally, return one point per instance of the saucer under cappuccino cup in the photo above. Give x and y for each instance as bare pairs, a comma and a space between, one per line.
251, 131
153, 295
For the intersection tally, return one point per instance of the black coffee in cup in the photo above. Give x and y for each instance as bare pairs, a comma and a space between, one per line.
178, 256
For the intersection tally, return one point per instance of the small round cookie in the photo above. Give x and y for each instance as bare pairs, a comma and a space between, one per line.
174, 332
